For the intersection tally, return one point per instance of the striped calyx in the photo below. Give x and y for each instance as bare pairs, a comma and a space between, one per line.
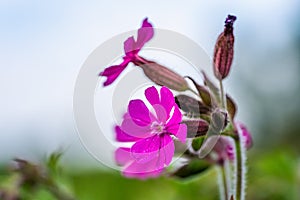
223, 53
162, 75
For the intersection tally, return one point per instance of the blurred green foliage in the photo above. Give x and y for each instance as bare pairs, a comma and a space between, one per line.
271, 175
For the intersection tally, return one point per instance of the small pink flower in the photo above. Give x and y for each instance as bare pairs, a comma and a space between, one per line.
224, 149
246, 135
151, 133
230, 152
131, 49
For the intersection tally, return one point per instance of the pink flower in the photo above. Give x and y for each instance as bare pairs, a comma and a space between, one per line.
151, 134
224, 149
245, 134
131, 49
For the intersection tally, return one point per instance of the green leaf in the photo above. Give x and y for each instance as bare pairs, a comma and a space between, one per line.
203, 93
197, 143
194, 167
231, 107
212, 87
53, 162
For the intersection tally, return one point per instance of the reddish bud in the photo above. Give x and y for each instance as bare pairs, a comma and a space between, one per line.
223, 54
196, 127
162, 75
191, 105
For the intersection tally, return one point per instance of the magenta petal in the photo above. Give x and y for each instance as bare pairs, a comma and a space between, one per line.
230, 152
152, 96
161, 114
179, 131
130, 47
160, 148
134, 130
123, 156
166, 151
175, 118
121, 136
143, 170
223, 148
245, 134
146, 149
139, 112
113, 72
167, 99
126, 116
145, 33
172, 128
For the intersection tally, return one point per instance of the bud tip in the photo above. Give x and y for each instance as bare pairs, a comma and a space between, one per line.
230, 20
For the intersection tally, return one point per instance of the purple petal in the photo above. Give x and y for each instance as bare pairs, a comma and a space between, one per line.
131, 128
151, 94
161, 114
167, 99
146, 149
230, 152
123, 156
139, 112
126, 116
159, 148
175, 118
143, 170
179, 131
223, 148
245, 134
113, 72
130, 47
145, 33
121, 136
167, 149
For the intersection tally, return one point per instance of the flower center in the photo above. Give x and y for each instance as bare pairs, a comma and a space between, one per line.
157, 128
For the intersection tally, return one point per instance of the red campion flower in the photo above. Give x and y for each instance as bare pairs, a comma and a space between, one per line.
131, 49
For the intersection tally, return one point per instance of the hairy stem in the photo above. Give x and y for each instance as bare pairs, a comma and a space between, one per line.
222, 94
239, 170
224, 182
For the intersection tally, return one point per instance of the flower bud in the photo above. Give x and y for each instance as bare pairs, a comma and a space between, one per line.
162, 75
190, 105
223, 53
218, 120
195, 127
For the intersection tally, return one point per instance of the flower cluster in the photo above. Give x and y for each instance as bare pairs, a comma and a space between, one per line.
205, 124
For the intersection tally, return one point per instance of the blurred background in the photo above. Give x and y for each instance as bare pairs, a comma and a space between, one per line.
44, 44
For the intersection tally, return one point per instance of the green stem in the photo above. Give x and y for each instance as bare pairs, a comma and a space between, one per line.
230, 134
53, 188
239, 170
224, 181
59, 194
222, 94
